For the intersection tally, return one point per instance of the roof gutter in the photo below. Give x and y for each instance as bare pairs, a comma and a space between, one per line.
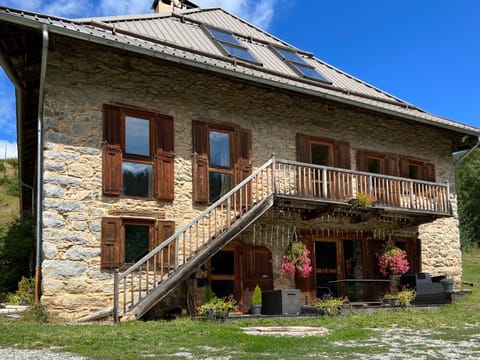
467, 153
231, 73
39, 210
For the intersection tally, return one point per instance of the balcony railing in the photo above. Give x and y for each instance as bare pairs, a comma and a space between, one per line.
275, 178
322, 183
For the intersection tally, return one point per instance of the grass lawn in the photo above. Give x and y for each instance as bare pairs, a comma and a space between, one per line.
447, 332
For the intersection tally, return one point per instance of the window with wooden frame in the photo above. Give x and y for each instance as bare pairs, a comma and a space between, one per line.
222, 159
138, 156
417, 169
377, 163
323, 151
126, 240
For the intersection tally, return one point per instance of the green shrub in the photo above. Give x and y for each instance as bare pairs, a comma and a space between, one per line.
257, 296
37, 313
331, 307
16, 253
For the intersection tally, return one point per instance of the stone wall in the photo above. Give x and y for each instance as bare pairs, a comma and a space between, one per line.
81, 78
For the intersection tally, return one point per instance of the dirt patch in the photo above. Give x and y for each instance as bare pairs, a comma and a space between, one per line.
286, 330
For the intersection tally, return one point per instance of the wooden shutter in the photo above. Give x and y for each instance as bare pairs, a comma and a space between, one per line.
243, 153
112, 243
200, 162
112, 124
164, 166
112, 152
429, 172
362, 160
164, 229
303, 148
342, 155
112, 170
391, 165
164, 162
404, 170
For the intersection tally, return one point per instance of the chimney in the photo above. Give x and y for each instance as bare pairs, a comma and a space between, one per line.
167, 6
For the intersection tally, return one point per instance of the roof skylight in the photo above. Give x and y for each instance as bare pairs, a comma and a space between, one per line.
231, 45
299, 64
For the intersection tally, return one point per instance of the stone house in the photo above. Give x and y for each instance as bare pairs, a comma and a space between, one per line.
161, 153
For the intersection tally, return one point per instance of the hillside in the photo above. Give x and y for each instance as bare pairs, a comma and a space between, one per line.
9, 191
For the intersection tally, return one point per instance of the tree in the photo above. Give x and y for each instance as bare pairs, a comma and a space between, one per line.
16, 252
467, 178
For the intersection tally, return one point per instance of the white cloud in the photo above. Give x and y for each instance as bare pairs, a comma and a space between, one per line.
122, 7
8, 149
258, 12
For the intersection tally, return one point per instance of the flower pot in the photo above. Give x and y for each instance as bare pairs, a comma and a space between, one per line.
256, 309
394, 302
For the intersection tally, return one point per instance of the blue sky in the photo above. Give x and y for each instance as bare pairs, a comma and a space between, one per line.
426, 52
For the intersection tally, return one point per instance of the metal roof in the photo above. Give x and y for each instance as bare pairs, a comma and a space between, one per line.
179, 37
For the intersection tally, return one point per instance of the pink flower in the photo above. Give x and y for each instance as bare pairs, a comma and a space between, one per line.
393, 261
297, 260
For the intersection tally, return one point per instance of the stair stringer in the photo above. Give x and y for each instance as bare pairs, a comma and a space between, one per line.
184, 271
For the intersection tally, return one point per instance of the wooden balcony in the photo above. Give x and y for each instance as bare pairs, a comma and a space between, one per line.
307, 183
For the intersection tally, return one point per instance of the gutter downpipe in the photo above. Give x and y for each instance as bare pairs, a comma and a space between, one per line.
39, 210
467, 153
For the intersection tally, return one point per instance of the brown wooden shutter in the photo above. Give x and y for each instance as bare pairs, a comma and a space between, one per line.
303, 148
200, 162
165, 229
342, 155
391, 165
429, 172
362, 160
112, 124
404, 169
165, 134
164, 166
112, 170
112, 244
112, 152
243, 154
164, 162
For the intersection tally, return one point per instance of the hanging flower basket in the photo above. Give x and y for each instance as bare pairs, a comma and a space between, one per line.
393, 261
297, 260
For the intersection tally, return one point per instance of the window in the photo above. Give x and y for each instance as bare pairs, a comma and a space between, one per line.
416, 169
222, 159
125, 240
230, 45
299, 64
322, 151
377, 163
138, 155
220, 172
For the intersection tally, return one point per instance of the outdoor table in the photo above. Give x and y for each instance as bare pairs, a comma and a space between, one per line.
371, 288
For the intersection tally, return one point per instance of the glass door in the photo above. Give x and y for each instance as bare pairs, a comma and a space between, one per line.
328, 260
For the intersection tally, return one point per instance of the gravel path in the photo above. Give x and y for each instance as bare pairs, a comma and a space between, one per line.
17, 354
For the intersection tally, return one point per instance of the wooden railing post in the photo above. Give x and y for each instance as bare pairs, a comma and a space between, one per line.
115, 296
448, 206
324, 183
274, 178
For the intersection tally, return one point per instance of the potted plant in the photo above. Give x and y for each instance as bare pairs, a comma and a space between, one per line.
393, 262
218, 307
330, 307
297, 260
257, 301
365, 200
402, 298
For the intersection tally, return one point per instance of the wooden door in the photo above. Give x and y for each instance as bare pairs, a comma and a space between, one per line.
257, 269
328, 266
